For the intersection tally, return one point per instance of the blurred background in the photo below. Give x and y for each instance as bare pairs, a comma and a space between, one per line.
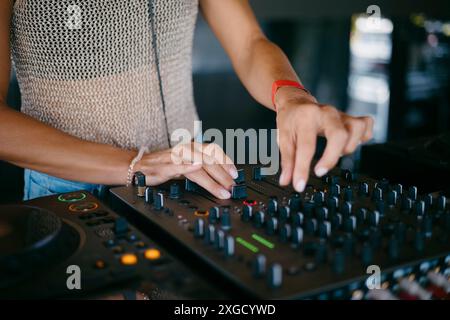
396, 69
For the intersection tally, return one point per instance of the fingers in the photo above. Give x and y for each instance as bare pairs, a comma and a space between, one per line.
220, 158
219, 174
165, 172
287, 150
202, 178
305, 149
356, 128
368, 134
337, 137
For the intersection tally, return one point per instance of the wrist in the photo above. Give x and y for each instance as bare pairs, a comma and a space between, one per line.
286, 95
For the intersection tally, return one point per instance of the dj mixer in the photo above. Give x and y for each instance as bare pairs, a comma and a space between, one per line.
271, 242
44, 241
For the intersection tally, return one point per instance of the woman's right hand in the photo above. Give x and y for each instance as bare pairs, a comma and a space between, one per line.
205, 164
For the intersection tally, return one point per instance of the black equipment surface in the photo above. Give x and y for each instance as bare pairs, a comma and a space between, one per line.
41, 238
424, 162
271, 242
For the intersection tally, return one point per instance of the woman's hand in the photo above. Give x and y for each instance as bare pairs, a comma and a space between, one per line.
205, 164
299, 120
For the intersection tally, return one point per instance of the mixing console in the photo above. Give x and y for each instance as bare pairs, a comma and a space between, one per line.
271, 242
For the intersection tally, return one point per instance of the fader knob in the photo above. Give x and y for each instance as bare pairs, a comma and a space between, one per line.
346, 209
210, 234
149, 195
392, 198
213, 215
297, 218
174, 191
229, 246
158, 201
272, 207
399, 189
259, 265
363, 189
247, 213
272, 225
257, 174
295, 202
377, 194
419, 208
241, 176
348, 194
374, 218
332, 204
324, 229
322, 213
441, 203
285, 232
275, 275
239, 191
319, 197
335, 190
190, 185
428, 200
139, 180
412, 193
297, 235
219, 239
225, 219
259, 219
199, 228
407, 204
285, 213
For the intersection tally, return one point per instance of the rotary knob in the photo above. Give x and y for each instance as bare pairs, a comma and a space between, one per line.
297, 236
247, 213
199, 228
259, 265
229, 246
272, 225
285, 233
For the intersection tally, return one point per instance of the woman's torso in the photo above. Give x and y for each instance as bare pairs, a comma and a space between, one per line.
95, 77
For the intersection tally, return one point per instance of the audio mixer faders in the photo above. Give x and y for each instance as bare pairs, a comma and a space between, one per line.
271, 242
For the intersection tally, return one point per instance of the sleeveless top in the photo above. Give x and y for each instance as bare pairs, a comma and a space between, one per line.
87, 67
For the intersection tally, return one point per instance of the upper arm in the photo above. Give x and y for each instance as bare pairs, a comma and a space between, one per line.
234, 24
5, 56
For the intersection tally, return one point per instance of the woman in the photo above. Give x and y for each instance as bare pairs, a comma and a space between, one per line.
101, 79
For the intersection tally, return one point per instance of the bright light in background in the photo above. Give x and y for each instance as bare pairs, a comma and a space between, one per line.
367, 25
368, 85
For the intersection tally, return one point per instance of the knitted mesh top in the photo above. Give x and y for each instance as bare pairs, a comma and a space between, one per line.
87, 67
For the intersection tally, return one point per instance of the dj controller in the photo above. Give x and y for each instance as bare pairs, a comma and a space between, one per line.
42, 240
267, 242
270, 242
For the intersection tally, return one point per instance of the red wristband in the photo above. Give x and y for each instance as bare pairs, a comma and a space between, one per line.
284, 83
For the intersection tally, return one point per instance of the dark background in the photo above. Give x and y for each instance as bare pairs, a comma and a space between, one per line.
400, 76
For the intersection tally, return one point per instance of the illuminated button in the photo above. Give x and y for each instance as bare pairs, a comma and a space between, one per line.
152, 254
249, 203
83, 207
72, 197
100, 264
128, 259
201, 213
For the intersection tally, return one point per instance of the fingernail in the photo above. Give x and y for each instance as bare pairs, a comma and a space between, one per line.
224, 194
320, 172
301, 186
234, 174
